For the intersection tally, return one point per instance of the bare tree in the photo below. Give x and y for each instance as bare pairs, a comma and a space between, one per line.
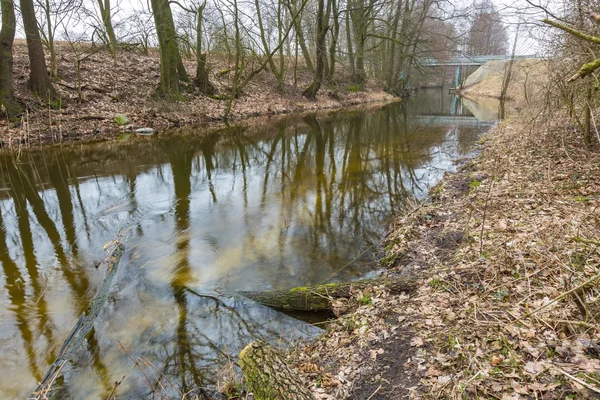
322, 28
54, 13
171, 64
105, 9
487, 34
39, 81
7, 36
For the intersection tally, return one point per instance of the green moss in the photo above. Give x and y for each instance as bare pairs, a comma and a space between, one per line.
121, 120
452, 342
366, 299
437, 189
388, 260
502, 294
56, 104
474, 184
435, 283
300, 289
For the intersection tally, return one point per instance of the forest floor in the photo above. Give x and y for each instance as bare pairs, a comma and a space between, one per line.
127, 87
507, 253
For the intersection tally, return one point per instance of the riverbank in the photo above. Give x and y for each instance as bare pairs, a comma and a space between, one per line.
506, 252
126, 87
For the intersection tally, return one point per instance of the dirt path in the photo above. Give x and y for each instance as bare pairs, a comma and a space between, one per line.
508, 254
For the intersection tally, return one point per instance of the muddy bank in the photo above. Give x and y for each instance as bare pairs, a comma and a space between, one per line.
506, 251
127, 87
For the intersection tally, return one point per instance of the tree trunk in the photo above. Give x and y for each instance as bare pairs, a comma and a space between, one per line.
359, 21
7, 36
311, 91
106, 17
326, 23
172, 69
300, 35
173, 44
51, 47
349, 44
263, 39
317, 298
39, 81
201, 68
392, 43
335, 34
268, 376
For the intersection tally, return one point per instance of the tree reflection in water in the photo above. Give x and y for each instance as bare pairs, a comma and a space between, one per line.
292, 203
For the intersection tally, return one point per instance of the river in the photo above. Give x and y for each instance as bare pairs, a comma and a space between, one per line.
276, 204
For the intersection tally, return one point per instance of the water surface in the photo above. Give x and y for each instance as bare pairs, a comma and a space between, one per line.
295, 202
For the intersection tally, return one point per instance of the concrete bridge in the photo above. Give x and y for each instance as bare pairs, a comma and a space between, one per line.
462, 61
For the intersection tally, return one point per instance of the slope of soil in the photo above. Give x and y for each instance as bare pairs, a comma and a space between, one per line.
508, 254
127, 86
528, 78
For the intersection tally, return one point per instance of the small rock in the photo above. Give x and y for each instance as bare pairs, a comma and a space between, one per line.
145, 131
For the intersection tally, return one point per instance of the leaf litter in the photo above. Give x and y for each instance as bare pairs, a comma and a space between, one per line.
511, 310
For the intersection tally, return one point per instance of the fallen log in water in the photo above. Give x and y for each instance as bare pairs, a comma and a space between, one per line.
268, 376
73, 344
317, 298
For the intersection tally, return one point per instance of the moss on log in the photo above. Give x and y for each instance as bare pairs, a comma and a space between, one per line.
268, 376
317, 298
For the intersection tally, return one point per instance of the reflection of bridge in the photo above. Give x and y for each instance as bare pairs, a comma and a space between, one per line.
466, 61
441, 108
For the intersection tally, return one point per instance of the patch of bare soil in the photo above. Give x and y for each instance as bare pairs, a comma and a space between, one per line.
388, 378
127, 86
508, 255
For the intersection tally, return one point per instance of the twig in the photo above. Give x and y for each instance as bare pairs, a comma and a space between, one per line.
44, 391
559, 297
485, 208
582, 323
587, 241
117, 384
134, 361
584, 383
374, 393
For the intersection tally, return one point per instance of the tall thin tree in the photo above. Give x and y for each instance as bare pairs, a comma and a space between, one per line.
39, 81
7, 36
322, 28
